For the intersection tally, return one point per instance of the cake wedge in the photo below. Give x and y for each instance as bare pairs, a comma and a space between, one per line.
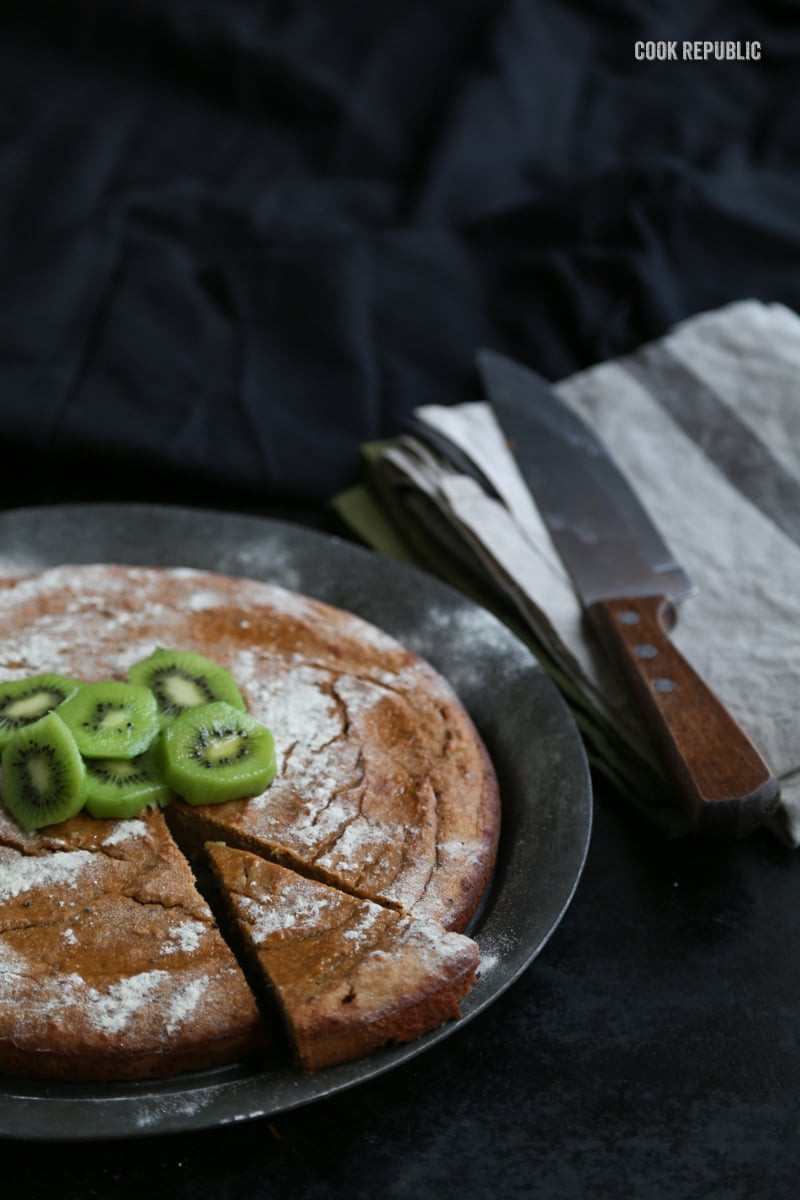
348, 975
111, 963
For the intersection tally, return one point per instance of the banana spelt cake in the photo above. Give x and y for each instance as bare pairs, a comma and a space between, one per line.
348, 975
383, 791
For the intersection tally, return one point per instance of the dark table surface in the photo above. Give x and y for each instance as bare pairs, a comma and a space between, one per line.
651, 1050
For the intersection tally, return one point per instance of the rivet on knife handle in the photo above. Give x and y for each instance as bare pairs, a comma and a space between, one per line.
722, 779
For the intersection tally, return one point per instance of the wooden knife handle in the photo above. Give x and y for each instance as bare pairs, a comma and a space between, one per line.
721, 778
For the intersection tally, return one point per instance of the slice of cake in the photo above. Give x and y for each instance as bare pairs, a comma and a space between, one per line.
111, 964
349, 975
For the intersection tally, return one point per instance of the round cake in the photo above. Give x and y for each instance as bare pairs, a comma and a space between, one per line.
383, 790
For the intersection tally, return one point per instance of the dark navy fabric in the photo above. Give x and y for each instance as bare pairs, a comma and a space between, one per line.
238, 239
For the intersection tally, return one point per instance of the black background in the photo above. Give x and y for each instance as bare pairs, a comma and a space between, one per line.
237, 240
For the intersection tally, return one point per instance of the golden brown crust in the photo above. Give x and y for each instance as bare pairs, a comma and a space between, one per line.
348, 974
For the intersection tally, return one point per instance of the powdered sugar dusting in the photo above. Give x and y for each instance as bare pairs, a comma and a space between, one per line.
436, 946
123, 831
109, 1010
292, 701
295, 908
113, 1009
158, 1108
24, 873
496, 949
488, 640
314, 715
368, 915
301, 909
205, 598
361, 843
184, 937
461, 854
359, 696
184, 1003
366, 634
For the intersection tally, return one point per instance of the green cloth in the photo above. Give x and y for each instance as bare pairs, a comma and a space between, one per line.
373, 512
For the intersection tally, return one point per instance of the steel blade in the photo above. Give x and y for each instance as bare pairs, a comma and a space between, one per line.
606, 539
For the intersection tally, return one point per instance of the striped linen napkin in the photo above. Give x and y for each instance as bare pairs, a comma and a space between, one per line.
705, 423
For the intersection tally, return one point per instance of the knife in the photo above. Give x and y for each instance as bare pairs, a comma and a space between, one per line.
629, 585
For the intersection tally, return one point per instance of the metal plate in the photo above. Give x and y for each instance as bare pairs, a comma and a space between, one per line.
544, 782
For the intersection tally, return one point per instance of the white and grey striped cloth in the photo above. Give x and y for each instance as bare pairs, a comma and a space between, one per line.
705, 423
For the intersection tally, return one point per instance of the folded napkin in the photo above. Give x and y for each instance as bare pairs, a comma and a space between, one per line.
705, 423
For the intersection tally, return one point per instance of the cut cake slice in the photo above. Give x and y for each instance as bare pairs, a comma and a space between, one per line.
111, 963
349, 975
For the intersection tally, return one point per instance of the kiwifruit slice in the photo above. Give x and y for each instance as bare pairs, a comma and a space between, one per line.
43, 773
122, 787
183, 679
111, 719
214, 753
23, 701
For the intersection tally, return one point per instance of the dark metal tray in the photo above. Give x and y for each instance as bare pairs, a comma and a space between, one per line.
543, 774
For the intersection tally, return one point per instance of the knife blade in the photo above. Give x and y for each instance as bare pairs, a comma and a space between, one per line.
629, 585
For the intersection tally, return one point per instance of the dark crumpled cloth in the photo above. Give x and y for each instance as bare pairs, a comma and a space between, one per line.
238, 239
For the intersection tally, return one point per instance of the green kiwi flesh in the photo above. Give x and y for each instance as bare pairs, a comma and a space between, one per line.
111, 719
43, 773
123, 787
214, 752
67, 745
183, 679
23, 701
